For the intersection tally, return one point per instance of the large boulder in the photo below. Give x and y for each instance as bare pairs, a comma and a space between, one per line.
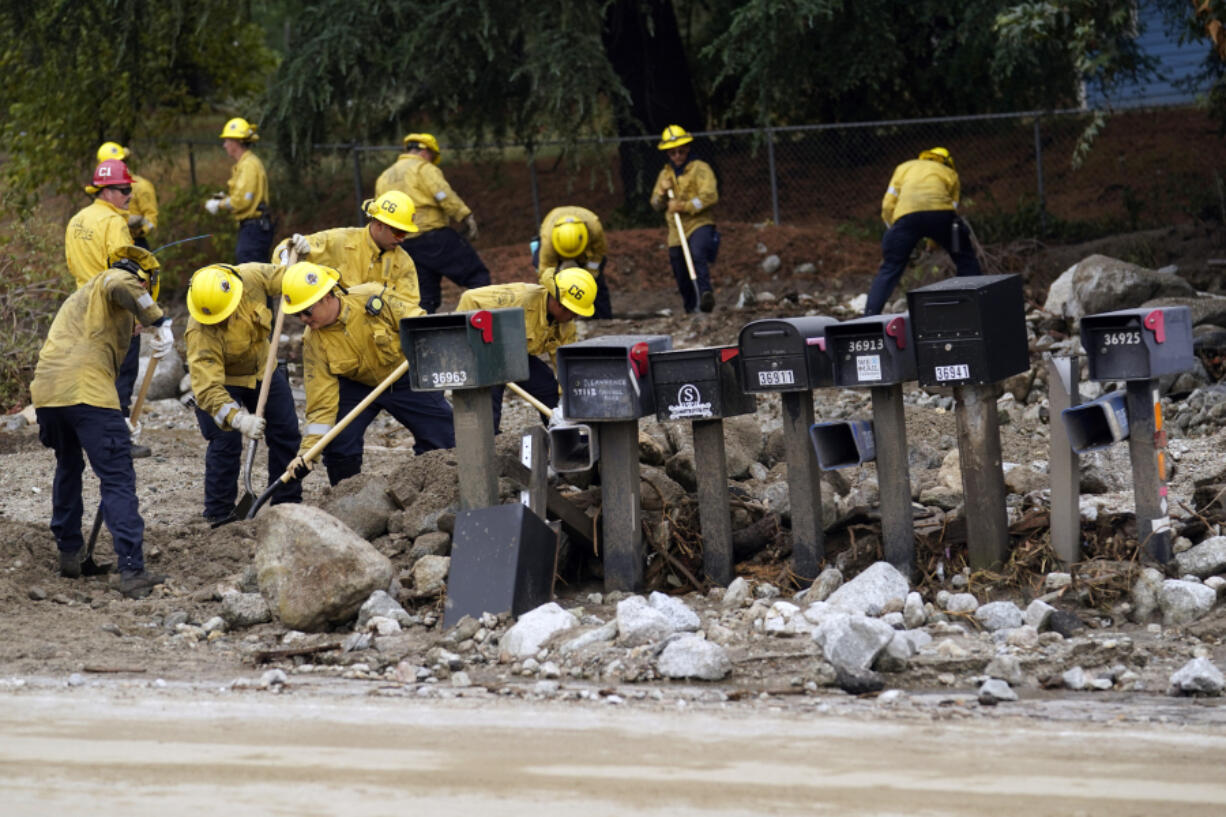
362, 502
1205, 559
1204, 307
1100, 283
315, 571
868, 593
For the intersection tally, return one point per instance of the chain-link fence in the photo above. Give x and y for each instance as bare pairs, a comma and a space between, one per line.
1146, 168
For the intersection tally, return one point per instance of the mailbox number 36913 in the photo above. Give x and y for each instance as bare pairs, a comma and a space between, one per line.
449, 378
1121, 338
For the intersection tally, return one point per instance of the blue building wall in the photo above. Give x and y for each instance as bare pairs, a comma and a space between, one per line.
1176, 61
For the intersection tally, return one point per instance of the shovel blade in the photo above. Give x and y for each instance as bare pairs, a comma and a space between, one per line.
244, 504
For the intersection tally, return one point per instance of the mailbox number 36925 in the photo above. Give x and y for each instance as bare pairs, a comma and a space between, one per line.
449, 378
1121, 338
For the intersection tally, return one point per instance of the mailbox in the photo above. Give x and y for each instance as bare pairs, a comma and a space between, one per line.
872, 351
840, 445
465, 350
969, 330
1138, 344
1097, 424
785, 354
609, 378
699, 384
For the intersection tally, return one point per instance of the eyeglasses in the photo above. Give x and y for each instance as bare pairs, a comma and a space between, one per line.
127, 191
306, 313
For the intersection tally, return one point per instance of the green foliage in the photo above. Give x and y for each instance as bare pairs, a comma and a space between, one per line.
75, 73
30, 294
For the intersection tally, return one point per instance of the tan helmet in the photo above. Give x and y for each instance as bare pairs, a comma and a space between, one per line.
305, 284
112, 150
938, 155
674, 136
569, 237
240, 129
417, 141
214, 293
575, 289
141, 263
394, 208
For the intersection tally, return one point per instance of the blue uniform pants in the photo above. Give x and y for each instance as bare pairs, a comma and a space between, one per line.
541, 384
704, 247
604, 306
223, 459
254, 242
900, 240
425, 413
103, 436
125, 381
439, 254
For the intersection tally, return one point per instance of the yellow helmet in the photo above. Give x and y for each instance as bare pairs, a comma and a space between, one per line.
240, 129
393, 208
569, 237
304, 284
112, 150
575, 289
938, 155
674, 136
214, 293
415, 141
141, 263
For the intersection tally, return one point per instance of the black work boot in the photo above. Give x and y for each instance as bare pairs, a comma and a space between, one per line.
70, 563
707, 301
139, 452
136, 585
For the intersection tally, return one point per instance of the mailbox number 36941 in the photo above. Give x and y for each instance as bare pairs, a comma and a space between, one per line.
449, 378
1121, 338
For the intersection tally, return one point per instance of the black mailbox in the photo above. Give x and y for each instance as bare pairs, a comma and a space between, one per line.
1138, 344
609, 378
465, 350
969, 330
699, 384
872, 351
785, 354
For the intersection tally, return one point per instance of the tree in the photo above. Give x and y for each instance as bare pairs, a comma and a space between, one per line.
75, 73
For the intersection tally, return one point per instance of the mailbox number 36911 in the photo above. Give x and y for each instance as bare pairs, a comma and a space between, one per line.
449, 378
1121, 338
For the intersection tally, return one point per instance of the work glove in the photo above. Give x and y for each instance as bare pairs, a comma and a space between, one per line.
470, 227
299, 468
556, 418
136, 222
133, 429
248, 425
162, 342
300, 245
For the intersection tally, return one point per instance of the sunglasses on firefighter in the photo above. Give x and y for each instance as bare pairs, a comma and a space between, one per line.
125, 190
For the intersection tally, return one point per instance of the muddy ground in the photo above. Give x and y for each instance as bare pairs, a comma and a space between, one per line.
51, 628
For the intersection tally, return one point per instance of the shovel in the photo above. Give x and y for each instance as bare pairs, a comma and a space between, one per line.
88, 566
536, 404
685, 250
244, 502
316, 450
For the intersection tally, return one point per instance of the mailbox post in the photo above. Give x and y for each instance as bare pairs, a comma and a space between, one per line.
788, 355
970, 334
877, 352
607, 381
1136, 346
468, 353
704, 386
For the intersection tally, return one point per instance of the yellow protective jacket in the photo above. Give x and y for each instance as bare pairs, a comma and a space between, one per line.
92, 235
545, 334
592, 257
697, 188
436, 204
358, 346
144, 203
919, 185
247, 188
355, 255
88, 340
233, 352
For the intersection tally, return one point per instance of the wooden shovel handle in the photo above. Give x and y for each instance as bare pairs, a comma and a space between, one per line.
150, 369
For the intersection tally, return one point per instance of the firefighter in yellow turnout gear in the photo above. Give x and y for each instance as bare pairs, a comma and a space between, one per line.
351, 344
74, 397
246, 196
227, 345
143, 208
695, 192
549, 314
574, 234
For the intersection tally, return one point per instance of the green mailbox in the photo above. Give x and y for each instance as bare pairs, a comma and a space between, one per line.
465, 350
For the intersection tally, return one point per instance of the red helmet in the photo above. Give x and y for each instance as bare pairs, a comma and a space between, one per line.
111, 173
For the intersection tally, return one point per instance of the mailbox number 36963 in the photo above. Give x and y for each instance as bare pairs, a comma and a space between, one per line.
449, 378
1121, 338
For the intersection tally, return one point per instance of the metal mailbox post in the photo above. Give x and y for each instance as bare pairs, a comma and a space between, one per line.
1136, 346
788, 355
970, 333
607, 381
468, 353
876, 352
704, 386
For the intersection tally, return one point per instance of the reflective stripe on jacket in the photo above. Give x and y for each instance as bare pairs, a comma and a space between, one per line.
247, 188
696, 188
